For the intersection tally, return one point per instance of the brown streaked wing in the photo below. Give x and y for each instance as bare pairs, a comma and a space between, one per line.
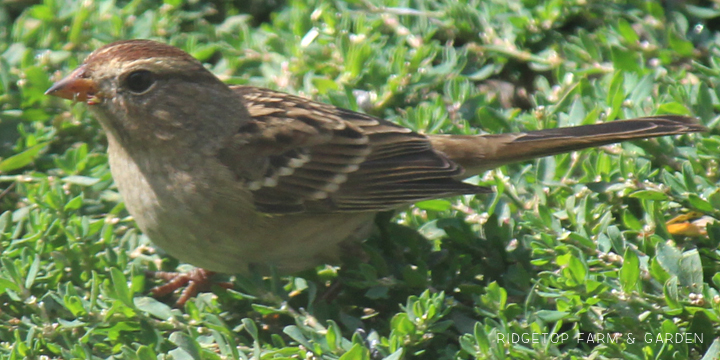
299, 155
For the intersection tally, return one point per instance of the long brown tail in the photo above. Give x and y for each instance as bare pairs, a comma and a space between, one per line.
482, 152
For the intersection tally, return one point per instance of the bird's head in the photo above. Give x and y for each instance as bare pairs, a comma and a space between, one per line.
142, 90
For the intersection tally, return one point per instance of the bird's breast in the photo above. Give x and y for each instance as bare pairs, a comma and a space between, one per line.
196, 211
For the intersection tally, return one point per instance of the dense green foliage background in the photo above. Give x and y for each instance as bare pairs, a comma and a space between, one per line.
570, 245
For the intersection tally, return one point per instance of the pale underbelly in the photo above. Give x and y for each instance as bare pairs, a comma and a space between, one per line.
288, 242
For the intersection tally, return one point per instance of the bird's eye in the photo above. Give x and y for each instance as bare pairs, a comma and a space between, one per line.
139, 81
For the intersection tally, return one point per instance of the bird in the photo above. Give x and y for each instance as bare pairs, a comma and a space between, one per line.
228, 177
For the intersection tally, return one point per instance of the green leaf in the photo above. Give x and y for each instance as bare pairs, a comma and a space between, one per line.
377, 292
713, 353
630, 271
81, 180
700, 204
577, 113
397, 355
657, 271
701, 326
673, 108
670, 290
189, 345
74, 204
616, 94
681, 46
324, 85
357, 352
122, 291
75, 305
333, 336
434, 205
702, 13
495, 297
251, 328
145, 353
22, 159
616, 239
32, 273
296, 334
627, 31
704, 107
577, 271
674, 183
153, 307
631, 221
551, 316
42, 12
649, 195
691, 271
402, 324
79, 23
625, 60
669, 258
6, 284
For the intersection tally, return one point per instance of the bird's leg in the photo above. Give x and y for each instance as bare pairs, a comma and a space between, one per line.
195, 281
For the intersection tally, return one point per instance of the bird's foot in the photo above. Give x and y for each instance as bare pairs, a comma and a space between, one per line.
195, 281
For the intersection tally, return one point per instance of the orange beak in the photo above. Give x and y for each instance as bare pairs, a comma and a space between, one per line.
76, 87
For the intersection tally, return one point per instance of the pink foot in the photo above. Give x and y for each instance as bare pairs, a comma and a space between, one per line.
195, 281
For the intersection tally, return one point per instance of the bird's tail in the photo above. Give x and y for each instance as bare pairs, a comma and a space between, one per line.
477, 153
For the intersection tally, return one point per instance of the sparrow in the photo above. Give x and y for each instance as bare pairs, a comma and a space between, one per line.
224, 177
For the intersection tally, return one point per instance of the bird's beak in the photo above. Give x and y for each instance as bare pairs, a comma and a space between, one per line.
76, 87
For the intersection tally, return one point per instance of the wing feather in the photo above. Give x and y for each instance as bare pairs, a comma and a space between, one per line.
297, 155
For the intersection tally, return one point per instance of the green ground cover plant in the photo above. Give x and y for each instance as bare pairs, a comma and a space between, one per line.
570, 258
